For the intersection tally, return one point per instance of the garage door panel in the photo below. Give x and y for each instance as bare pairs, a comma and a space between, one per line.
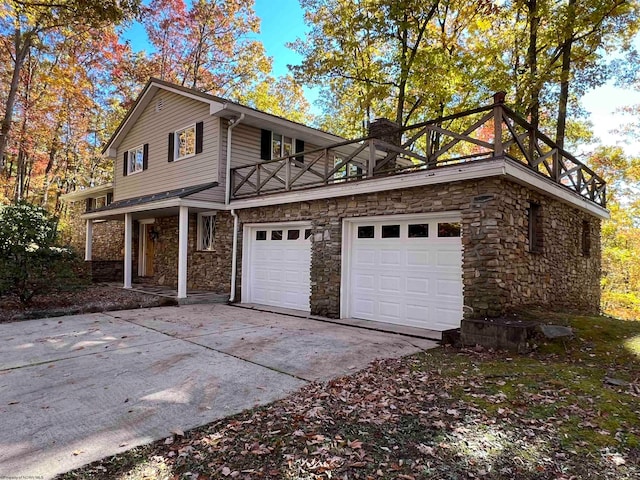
365, 256
417, 313
448, 288
417, 286
363, 307
447, 317
391, 258
389, 309
418, 258
407, 281
448, 258
365, 281
390, 283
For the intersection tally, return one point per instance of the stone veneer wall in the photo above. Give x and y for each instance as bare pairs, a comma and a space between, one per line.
499, 273
108, 244
205, 270
108, 237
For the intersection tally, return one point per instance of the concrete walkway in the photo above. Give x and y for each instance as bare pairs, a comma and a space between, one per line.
78, 388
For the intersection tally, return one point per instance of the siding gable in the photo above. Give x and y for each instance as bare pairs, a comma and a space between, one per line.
152, 128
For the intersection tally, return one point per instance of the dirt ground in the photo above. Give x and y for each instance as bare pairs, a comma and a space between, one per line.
93, 298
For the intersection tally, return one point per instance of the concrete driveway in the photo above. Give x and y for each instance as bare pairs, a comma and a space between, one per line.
78, 388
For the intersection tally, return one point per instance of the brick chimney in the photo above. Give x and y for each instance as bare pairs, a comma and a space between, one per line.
386, 130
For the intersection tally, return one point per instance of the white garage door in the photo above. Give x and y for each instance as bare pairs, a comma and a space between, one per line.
406, 272
276, 266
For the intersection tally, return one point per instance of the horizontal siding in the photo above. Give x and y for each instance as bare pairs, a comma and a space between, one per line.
245, 150
153, 127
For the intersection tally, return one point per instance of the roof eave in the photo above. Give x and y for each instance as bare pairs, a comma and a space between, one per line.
88, 192
234, 110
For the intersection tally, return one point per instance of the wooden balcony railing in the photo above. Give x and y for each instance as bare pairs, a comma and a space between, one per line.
493, 131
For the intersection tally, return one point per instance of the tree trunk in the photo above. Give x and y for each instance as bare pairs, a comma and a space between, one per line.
22, 43
561, 124
532, 60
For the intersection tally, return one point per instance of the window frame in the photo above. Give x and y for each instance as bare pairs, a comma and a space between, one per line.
212, 231
176, 142
282, 145
95, 201
130, 158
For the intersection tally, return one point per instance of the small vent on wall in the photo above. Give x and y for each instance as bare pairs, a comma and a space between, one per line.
159, 105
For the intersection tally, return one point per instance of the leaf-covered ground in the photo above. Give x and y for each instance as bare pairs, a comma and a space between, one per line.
85, 299
567, 411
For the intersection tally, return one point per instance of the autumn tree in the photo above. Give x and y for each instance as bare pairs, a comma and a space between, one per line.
400, 59
411, 60
621, 233
206, 44
24, 25
283, 97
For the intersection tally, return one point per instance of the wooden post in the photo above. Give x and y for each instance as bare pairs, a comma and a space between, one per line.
532, 149
258, 179
372, 158
498, 101
287, 174
326, 166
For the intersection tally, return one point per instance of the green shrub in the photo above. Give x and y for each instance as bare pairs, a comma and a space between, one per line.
31, 262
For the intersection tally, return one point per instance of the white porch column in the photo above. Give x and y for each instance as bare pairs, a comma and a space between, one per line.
183, 240
88, 241
128, 228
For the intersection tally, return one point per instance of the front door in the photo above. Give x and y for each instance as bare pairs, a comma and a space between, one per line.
147, 237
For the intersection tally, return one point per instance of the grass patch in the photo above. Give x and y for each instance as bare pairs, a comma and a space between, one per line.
444, 414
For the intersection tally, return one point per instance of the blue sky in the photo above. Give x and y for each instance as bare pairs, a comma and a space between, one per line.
282, 21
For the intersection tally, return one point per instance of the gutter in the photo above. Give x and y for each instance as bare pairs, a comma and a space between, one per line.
227, 200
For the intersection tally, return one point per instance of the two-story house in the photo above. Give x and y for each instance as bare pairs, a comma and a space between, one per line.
469, 215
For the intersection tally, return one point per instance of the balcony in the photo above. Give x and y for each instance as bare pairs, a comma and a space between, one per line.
485, 133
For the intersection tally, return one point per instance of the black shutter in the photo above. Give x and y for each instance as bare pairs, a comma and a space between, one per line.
199, 131
109, 198
125, 161
265, 145
88, 205
145, 156
299, 148
172, 140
